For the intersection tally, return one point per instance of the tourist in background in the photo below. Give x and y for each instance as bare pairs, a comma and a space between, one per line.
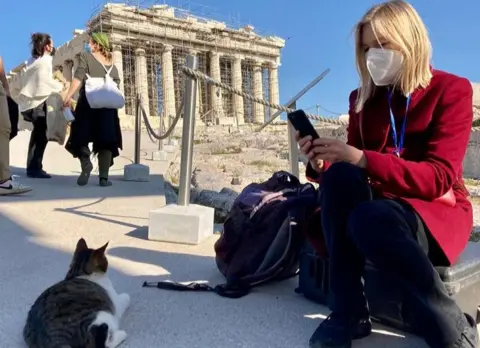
37, 85
394, 193
7, 185
100, 126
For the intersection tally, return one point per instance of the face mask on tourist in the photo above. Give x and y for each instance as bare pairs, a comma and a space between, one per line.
87, 48
383, 65
52, 52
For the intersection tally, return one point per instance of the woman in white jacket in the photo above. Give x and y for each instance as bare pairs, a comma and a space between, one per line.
37, 85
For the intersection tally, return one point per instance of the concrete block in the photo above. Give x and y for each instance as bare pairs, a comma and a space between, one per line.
159, 155
169, 148
181, 224
224, 121
173, 142
136, 172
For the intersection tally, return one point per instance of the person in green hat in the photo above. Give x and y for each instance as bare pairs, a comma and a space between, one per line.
100, 126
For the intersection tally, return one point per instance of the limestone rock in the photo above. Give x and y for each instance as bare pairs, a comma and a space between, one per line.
236, 181
222, 202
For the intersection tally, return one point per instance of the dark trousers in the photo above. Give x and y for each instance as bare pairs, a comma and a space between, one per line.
389, 234
37, 145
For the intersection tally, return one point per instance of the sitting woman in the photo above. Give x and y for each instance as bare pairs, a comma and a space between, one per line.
37, 85
99, 126
394, 194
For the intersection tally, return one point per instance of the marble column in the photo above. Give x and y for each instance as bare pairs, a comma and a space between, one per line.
141, 78
273, 86
168, 83
118, 61
258, 109
67, 69
237, 84
197, 104
216, 92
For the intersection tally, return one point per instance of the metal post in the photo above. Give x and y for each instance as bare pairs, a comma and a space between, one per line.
160, 132
292, 146
170, 121
295, 98
138, 130
188, 133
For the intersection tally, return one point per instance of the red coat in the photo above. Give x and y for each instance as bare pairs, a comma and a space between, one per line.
437, 133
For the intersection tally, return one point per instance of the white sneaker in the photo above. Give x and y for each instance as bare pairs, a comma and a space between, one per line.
11, 187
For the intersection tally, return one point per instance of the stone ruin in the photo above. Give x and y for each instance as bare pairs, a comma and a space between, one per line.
149, 49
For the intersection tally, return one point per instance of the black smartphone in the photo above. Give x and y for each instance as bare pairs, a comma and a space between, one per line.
302, 124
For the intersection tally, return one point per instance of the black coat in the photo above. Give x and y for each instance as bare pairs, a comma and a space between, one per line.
13, 113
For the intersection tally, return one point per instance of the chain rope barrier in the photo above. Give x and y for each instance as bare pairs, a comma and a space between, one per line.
199, 75
151, 132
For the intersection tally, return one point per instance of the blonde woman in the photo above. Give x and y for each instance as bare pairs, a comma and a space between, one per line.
98, 126
394, 194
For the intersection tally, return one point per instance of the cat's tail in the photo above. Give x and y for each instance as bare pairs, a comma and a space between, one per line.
100, 335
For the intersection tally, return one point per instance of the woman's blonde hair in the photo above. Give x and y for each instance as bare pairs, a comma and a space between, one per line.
399, 23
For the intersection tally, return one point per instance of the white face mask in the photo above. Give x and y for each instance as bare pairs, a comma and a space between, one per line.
383, 65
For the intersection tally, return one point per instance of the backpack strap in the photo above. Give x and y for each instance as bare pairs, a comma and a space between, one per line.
224, 290
107, 71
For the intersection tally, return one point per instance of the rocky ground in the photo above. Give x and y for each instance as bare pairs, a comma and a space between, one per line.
227, 159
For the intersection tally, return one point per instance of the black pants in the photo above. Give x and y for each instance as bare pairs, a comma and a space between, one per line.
358, 226
37, 145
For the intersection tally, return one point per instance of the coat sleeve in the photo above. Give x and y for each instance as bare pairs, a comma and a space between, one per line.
353, 138
435, 175
82, 67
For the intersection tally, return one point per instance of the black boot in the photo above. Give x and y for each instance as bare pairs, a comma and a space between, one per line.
338, 331
86, 166
104, 163
38, 174
469, 336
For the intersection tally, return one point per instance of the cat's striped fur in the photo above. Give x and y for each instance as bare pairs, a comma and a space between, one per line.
81, 311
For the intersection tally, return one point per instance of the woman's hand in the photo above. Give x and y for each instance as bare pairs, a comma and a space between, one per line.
67, 101
333, 150
305, 145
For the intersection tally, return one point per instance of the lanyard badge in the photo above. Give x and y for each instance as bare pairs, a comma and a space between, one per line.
397, 140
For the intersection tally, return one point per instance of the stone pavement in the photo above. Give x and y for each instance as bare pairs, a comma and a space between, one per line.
39, 230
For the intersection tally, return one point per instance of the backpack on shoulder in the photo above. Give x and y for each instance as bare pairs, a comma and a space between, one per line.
262, 237
103, 92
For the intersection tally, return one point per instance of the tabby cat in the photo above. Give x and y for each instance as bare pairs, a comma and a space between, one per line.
81, 311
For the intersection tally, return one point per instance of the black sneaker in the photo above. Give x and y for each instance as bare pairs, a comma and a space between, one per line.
469, 337
338, 331
38, 174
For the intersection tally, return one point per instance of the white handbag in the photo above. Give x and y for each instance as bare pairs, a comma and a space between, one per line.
103, 92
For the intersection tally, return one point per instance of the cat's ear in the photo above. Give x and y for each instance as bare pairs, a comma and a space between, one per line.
81, 245
101, 251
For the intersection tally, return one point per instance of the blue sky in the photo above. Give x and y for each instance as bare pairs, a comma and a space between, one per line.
319, 34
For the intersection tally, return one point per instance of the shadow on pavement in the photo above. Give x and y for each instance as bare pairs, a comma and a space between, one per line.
61, 187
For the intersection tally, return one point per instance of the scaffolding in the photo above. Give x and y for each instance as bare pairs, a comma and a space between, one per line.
145, 28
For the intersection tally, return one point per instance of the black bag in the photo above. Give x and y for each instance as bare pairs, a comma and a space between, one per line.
13, 113
262, 236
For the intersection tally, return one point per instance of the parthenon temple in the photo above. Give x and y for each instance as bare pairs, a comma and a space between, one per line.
149, 49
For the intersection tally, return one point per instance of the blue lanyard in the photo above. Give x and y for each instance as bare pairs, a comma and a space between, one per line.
398, 144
